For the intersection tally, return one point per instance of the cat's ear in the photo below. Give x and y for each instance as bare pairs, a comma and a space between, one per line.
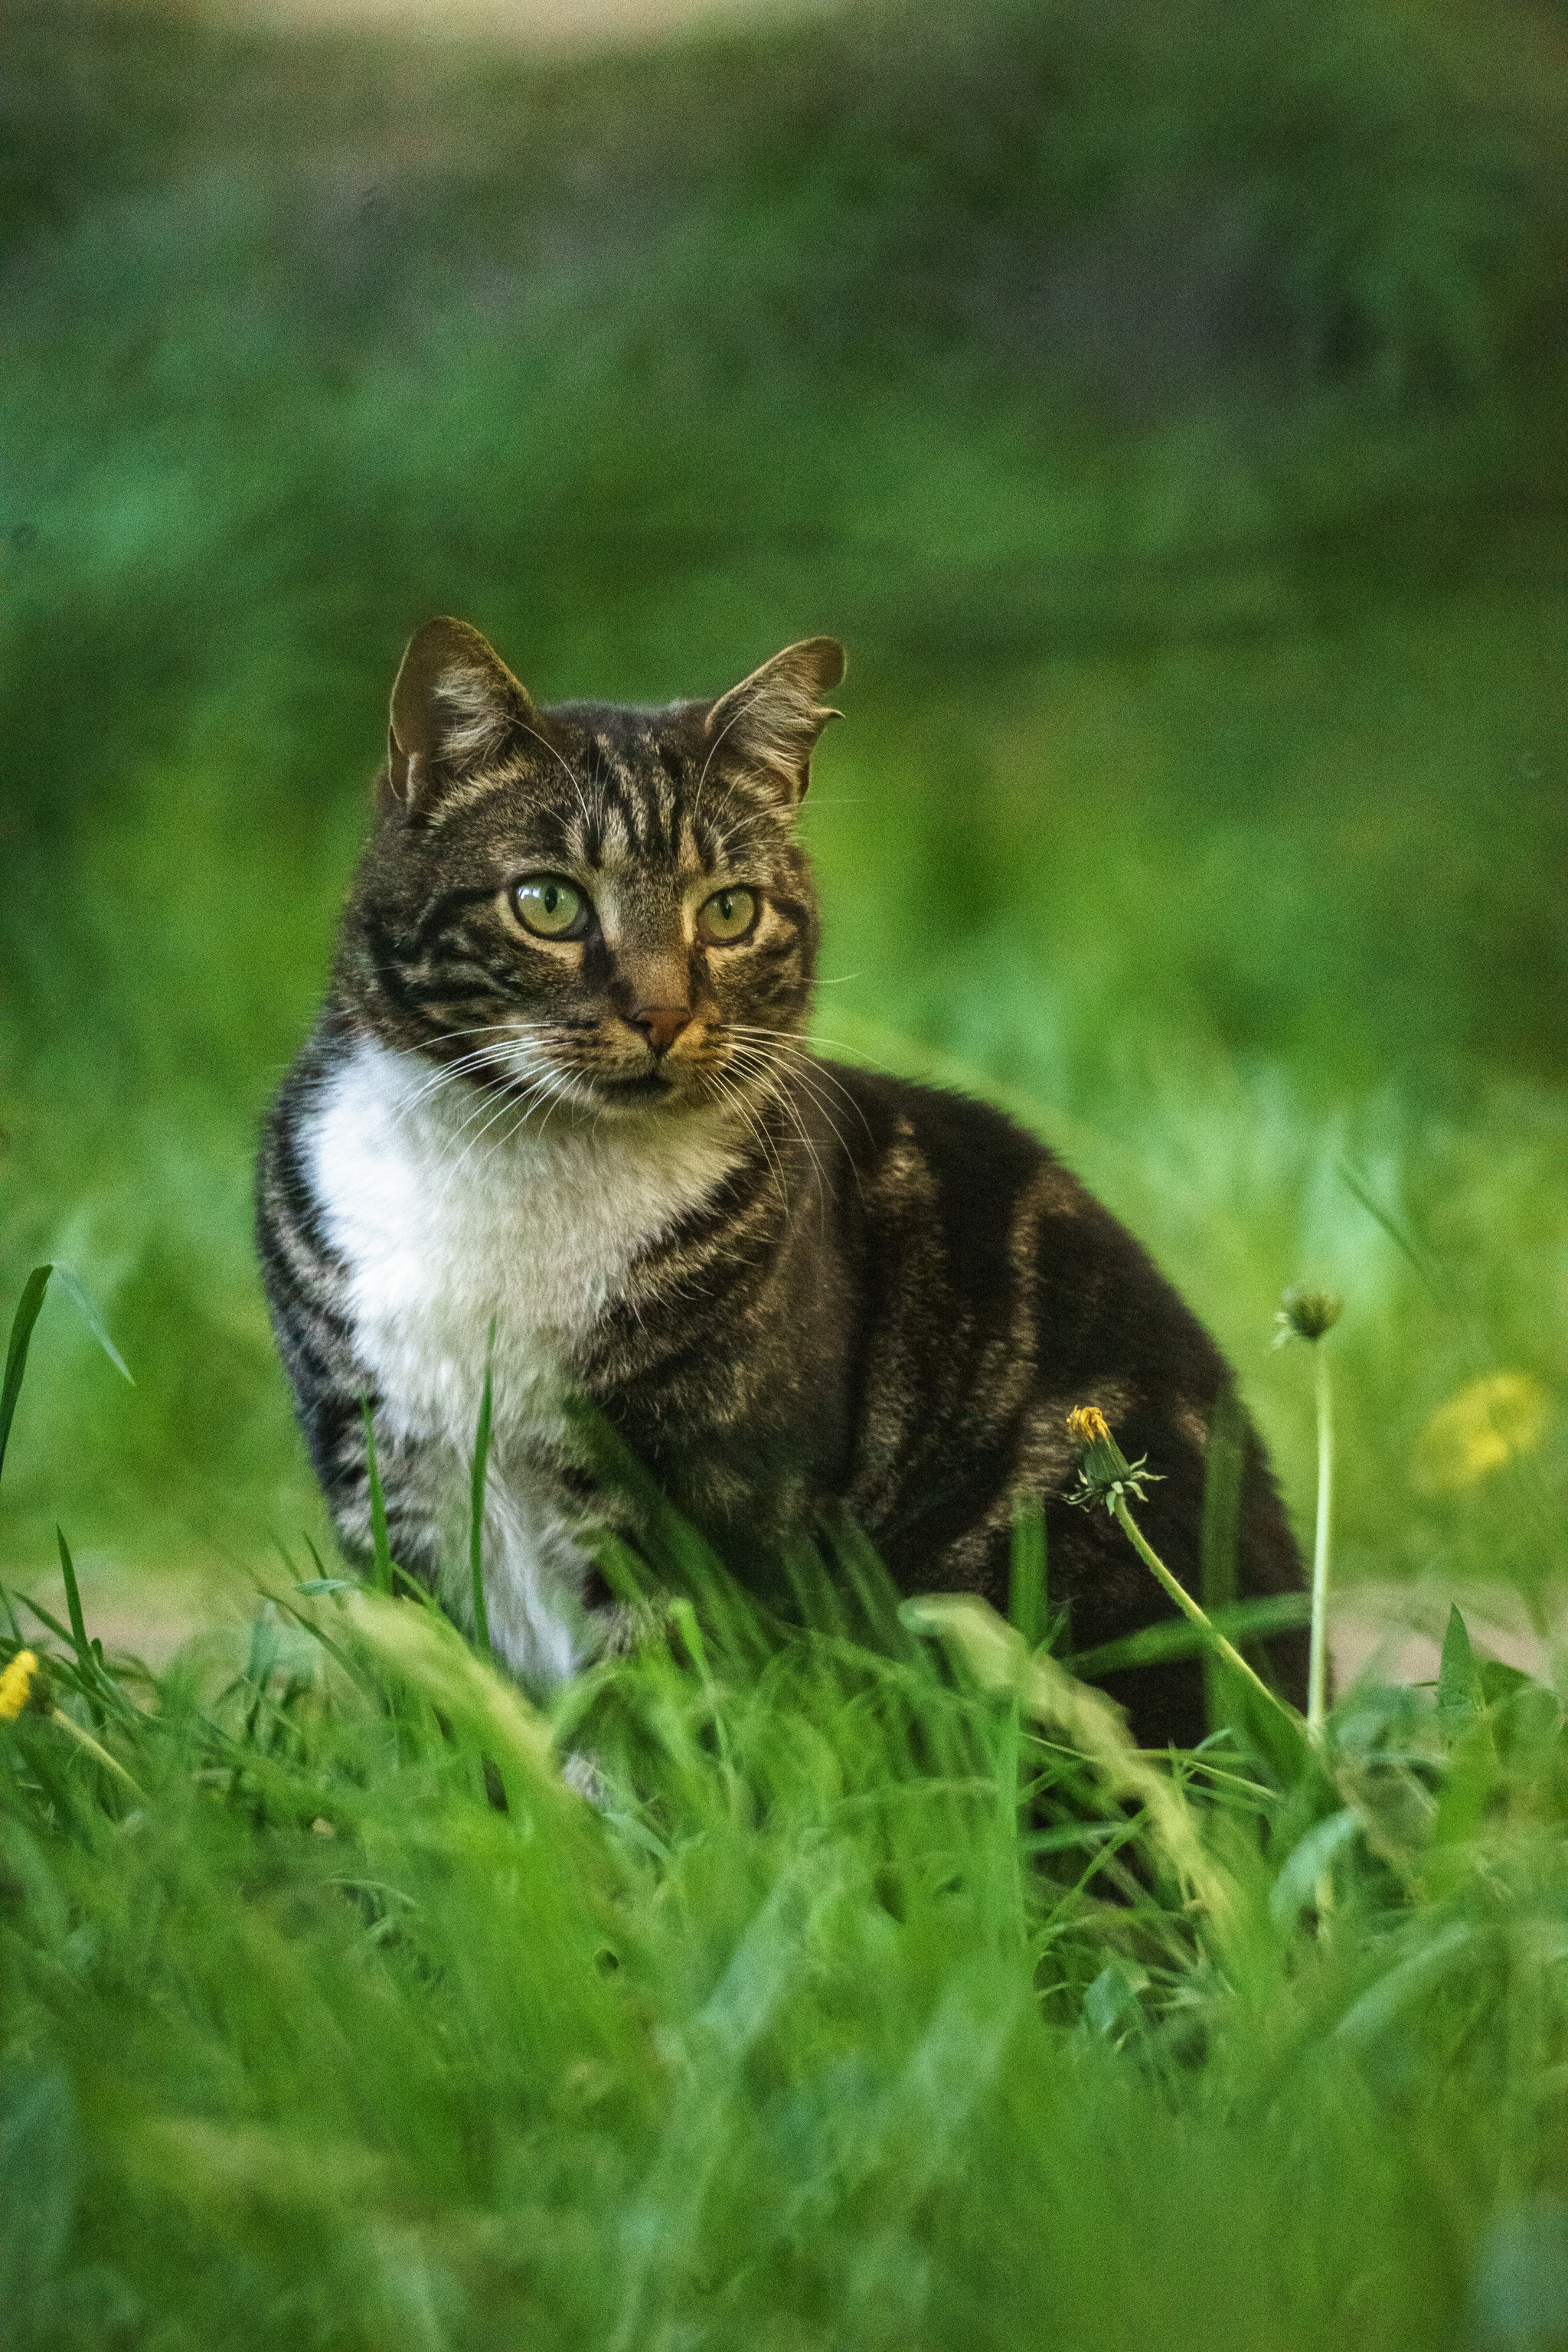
771, 721
453, 702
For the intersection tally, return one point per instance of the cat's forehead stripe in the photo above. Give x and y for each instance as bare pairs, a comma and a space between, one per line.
599, 810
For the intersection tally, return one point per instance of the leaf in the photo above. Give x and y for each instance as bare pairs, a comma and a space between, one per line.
1381, 2003
1112, 1994
27, 1310
1225, 1460
1307, 1863
1083, 1719
1500, 1681
1459, 1693
1404, 1240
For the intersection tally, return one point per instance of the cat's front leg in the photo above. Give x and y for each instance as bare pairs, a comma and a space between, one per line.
331, 1385
412, 1472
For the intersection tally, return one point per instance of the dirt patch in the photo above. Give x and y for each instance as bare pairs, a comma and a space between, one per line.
517, 23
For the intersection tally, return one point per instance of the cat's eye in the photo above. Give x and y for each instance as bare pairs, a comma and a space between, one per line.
726, 915
553, 909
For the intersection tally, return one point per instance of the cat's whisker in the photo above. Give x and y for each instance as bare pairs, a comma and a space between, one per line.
776, 1084
536, 1092
449, 1075
812, 1073
779, 1079
732, 1095
784, 1042
524, 1113
448, 1072
562, 1090
457, 1166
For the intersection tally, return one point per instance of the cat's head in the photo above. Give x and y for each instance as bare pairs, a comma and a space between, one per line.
594, 905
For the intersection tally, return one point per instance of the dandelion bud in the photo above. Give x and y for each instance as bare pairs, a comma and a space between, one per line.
16, 1684
1090, 1433
1104, 1473
1307, 1315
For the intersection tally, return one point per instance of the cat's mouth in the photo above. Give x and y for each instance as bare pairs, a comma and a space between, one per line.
648, 1085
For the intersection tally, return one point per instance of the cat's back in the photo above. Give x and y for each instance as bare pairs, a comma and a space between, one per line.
998, 1295
988, 1213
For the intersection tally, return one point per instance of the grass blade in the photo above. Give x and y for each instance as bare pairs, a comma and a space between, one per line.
1026, 1590
1405, 1242
1178, 1637
73, 1603
477, 1503
22, 1323
89, 1314
381, 1550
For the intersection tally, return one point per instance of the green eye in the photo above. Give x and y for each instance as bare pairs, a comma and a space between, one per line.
726, 915
547, 905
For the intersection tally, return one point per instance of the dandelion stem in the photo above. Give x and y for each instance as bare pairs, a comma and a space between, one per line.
1318, 1652
1189, 1607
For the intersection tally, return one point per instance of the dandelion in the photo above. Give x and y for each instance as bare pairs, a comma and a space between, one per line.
1307, 1315
1491, 1421
17, 1684
1105, 1474
22, 1685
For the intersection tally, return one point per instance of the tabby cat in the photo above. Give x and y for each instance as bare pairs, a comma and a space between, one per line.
559, 1091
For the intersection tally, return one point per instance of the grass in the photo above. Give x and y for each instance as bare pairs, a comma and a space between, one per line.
1163, 403
883, 1996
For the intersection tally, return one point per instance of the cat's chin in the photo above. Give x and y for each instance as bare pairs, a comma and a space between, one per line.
647, 1087
648, 1092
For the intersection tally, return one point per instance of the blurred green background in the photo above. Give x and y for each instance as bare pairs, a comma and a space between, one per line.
1164, 401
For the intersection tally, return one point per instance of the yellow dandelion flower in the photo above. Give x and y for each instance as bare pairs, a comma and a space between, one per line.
17, 1684
1485, 1424
1087, 1425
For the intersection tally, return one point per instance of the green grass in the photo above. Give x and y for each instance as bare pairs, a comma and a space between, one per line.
883, 1996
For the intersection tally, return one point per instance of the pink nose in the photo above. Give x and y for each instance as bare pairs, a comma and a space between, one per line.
661, 1024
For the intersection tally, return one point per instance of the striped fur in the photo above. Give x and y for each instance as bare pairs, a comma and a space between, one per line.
791, 1285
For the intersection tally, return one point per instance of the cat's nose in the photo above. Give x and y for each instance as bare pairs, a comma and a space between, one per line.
661, 1024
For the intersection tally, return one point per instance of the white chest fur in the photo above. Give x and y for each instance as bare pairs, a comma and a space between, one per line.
449, 1214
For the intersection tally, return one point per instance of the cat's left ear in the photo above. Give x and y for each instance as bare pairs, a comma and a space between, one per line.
453, 702
771, 721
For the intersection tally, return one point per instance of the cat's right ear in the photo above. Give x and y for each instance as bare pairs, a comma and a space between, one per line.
452, 704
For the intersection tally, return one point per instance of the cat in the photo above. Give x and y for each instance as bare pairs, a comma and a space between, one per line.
558, 1113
